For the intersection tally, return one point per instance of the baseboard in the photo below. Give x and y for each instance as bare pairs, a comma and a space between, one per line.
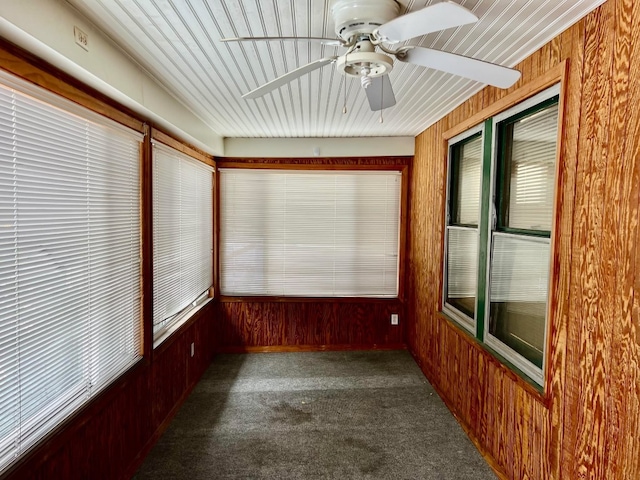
309, 348
491, 461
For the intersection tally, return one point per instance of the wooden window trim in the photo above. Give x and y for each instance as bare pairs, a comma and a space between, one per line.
282, 299
188, 150
24, 65
557, 74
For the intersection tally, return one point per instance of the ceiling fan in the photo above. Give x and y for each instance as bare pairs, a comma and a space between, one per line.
369, 29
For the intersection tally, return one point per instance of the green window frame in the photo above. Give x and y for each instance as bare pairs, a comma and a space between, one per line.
463, 231
520, 185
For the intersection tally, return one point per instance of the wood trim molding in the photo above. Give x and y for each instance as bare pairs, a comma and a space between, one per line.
403, 253
146, 232
310, 348
216, 233
189, 150
555, 264
17, 62
280, 299
309, 166
551, 77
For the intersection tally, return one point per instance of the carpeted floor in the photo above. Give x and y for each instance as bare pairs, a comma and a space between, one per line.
334, 415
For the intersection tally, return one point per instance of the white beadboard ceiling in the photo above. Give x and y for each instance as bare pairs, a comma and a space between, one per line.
177, 42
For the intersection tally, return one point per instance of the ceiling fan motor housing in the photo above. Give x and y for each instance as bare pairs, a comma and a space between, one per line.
364, 61
362, 17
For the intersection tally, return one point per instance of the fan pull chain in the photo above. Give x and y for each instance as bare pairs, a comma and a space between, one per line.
344, 108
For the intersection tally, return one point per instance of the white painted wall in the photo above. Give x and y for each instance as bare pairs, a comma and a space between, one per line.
320, 147
45, 28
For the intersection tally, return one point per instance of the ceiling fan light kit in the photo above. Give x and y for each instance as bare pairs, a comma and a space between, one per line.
370, 29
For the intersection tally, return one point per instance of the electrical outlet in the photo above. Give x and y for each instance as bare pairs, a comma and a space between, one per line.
82, 39
394, 319
193, 349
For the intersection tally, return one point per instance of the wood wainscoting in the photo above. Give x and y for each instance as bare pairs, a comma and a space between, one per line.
109, 438
586, 424
266, 326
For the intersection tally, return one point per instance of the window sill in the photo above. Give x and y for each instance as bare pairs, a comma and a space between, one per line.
536, 391
188, 317
280, 299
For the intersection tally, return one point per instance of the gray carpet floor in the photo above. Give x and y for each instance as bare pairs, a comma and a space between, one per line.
333, 415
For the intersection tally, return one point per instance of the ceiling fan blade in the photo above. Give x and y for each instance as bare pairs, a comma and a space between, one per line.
426, 20
287, 77
333, 42
478, 70
380, 94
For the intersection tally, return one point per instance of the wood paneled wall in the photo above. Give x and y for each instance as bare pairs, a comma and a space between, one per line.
311, 325
587, 423
272, 324
111, 436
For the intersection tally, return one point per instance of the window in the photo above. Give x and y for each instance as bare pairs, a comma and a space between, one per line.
506, 275
310, 233
69, 259
182, 236
461, 240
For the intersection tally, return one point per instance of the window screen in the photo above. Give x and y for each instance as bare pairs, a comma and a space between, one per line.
182, 234
309, 233
69, 259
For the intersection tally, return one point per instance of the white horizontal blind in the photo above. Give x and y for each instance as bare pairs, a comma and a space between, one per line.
470, 171
533, 158
462, 262
519, 268
309, 233
182, 234
69, 259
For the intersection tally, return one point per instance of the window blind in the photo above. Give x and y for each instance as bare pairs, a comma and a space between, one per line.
519, 268
462, 262
533, 158
69, 259
309, 233
469, 180
182, 234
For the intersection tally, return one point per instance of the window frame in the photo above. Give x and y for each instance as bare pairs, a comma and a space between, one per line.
531, 105
461, 139
397, 164
547, 94
499, 123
